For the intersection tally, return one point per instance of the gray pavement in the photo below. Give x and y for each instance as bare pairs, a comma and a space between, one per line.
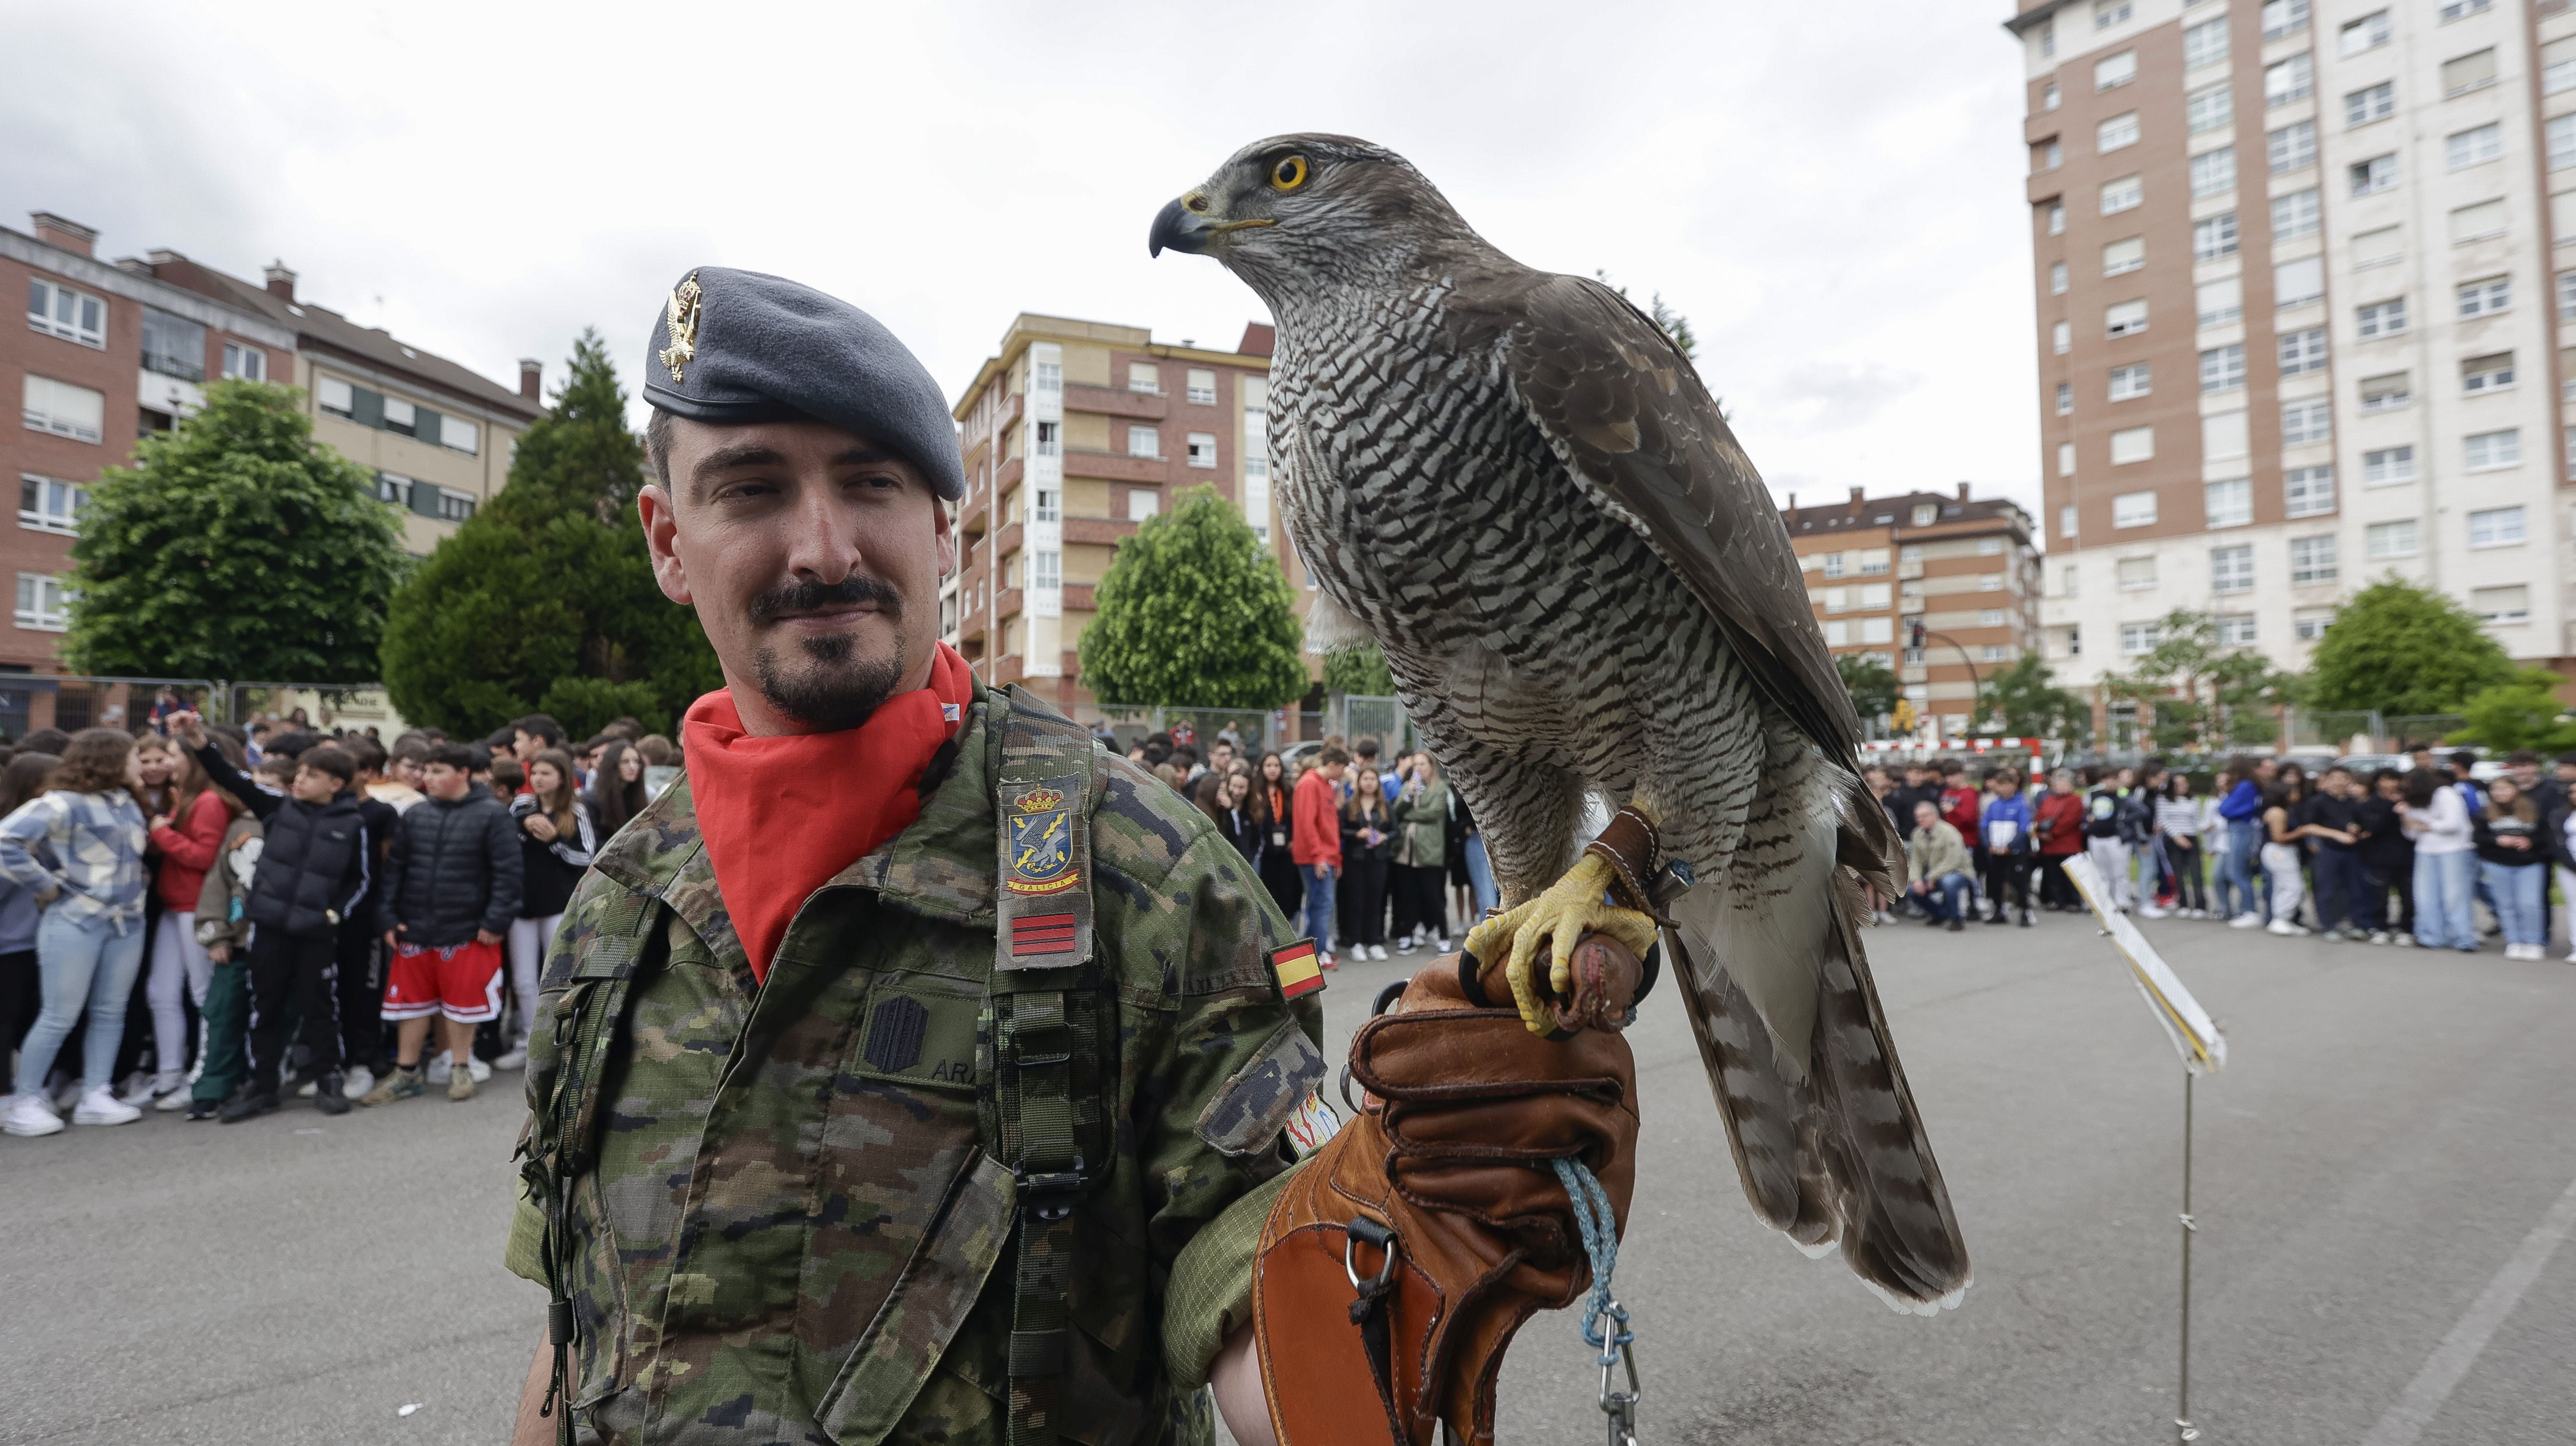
2393, 1128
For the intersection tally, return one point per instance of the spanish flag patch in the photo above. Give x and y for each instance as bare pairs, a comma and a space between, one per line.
1296, 969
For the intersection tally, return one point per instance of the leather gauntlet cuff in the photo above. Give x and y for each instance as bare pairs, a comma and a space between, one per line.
1628, 846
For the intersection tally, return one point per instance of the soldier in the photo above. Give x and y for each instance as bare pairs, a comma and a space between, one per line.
891, 1058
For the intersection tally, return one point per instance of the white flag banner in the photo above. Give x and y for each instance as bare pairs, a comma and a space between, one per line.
2195, 1038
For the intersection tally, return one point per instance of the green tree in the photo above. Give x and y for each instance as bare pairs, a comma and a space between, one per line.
1360, 670
1871, 683
2521, 712
234, 547
2205, 695
2024, 701
1194, 611
544, 600
2403, 650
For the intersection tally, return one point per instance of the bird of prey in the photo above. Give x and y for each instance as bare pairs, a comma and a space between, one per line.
1518, 488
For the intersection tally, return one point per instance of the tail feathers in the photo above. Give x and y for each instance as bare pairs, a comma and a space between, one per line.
1834, 1154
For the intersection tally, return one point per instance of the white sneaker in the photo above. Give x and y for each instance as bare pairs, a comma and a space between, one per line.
2379, 936
173, 1099
360, 1080
2150, 911
30, 1115
2246, 921
2286, 929
308, 1089
437, 1071
440, 1067
515, 1057
1377, 951
2403, 941
138, 1088
1440, 945
101, 1107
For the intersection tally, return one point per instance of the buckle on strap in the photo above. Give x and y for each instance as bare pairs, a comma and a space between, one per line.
1050, 1194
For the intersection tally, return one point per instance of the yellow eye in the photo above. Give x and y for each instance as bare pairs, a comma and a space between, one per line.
1288, 173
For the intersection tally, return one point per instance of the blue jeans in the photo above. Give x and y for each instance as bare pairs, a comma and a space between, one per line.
1480, 877
2521, 900
1319, 903
82, 961
2244, 847
2442, 894
2339, 887
1947, 897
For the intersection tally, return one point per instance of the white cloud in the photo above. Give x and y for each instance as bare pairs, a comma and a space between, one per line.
1836, 204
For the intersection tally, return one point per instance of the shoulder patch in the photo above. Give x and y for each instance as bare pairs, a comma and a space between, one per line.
1296, 970
1262, 1098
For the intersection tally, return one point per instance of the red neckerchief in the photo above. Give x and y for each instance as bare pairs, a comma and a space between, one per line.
782, 815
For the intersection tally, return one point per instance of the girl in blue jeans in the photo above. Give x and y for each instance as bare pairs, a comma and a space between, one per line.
2513, 857
89, 943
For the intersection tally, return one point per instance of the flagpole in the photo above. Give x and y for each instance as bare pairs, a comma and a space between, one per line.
2184, 1430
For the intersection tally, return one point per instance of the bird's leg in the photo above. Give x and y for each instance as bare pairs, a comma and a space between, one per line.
1562, 914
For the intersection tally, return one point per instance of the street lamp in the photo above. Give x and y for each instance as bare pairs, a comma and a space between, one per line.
1976, 686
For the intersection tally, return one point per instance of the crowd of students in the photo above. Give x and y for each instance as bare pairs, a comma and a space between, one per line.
1368, 857
2397, 856
207, 919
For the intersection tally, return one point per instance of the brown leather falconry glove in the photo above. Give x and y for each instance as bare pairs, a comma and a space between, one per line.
1396, 1265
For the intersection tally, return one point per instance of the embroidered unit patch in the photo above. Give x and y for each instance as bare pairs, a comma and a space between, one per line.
1041, 845
1314, 1122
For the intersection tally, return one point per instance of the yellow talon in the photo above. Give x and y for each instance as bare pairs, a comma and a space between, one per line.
1569, 908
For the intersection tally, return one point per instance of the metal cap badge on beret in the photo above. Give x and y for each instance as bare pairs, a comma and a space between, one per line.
737, 346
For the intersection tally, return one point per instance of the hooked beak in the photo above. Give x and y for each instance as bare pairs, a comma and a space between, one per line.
1180, 228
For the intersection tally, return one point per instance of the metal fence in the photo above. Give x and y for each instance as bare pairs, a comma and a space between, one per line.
1383, 719
1258, 730
2424, 727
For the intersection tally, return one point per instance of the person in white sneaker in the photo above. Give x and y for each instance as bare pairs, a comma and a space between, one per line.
2281, 849
1368, 840
2513, 855
555, 843
1421, 862
78, 848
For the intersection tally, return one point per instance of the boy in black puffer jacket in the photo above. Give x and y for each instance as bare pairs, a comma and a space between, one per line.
451, 890
313, 872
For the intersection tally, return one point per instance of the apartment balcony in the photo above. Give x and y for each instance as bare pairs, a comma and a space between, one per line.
1098, 529
1078, 598
1117, 402
1115, 466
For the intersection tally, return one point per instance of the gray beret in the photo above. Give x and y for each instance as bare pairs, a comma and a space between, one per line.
736, 346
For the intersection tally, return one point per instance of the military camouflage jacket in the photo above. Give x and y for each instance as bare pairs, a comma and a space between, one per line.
794, 1225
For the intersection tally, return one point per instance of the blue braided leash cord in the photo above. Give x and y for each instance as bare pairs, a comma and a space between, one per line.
1592, 1216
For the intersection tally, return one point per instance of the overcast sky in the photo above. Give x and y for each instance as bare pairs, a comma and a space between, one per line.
1832, 194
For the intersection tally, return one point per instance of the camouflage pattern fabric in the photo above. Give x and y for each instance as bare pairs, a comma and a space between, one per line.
796, 1225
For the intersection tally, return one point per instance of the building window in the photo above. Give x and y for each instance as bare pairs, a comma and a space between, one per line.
2561, 137
1049, 440
2205, 43
1202, 387
2136, 574
2483, 374
2140, 637
2305, 422
2133, 444
2299, 283
2454, 9
1990, 617
2124, 194
1873, 563
2284, 17
2222, 367
2386, 394
1046, 568
2213, 172
1046, 504
2309, 624
2558, 68
2056, 218
2295, 214
2389, 541
2303, 351
2066, 513
2289, 80
2567, 296
1144, 442
2048, 96
2065, 404
1990, 547
63, 409
2124, 256
2481, 144
58, 310
2378, 248
2067, 582
2293, 147
2134, 509
1145, 377
454, 506
2119, 131
2057, 278
1834, 564
393, 489
1143, 503
2388, 466
2221, 301
2496, 527
2480, 222
2501, 604
2307, 491
2107, 13
2224, 436
2494, 451
2131, 381
2209, 108
401, 416
173, 345
1202, 449
48, 505
458, 435
44, 604
2126, 319
2115, 70
2061, 337
2371, 103
2214, 238
1046, 376
335, 397
2235, 630
245, 363
2312, 560
2383, 318
2229, 503
2368, 33
2469, 72
2066, 462
2486, 298
2231, 569
2373, 176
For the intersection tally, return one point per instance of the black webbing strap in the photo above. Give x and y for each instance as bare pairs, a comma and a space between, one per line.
1049, 1171
1373, 1312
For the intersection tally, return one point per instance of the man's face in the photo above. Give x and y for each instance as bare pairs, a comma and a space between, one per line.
525, 745
312, 785
1925, 815
2526, 774
445, 780
813, 558
1333, 771
406, 771
2264, 768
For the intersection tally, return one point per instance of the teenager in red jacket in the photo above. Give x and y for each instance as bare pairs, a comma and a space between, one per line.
1960, 802
1315, 840
2060, 829
183, 844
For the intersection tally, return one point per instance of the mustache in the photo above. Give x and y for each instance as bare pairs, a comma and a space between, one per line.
809, 596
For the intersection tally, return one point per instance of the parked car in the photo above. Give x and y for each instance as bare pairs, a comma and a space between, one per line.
2366, 764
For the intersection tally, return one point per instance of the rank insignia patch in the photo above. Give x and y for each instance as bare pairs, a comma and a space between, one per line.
1296, 969
1041, 828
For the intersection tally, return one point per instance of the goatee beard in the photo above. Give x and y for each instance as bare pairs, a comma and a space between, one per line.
836, 691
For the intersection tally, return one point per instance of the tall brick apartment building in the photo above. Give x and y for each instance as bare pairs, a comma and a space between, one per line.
1075, 432
1962, 567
